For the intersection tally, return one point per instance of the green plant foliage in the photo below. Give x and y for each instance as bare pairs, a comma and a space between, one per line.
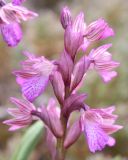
29, 141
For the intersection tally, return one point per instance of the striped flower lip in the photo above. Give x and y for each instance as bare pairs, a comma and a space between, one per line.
34, 75
98, 125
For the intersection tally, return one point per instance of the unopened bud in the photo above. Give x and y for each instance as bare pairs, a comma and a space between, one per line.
58, 85
73, 134
65, 17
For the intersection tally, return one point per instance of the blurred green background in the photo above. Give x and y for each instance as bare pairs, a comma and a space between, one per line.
44, 36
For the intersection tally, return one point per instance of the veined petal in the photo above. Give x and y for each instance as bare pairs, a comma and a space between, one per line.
79, 25
74, 35
33, 87
109, 129
15, 112
96, 137
11, 33
34, 75
103, 63
22, 115
98, 30
97, 53
107, 76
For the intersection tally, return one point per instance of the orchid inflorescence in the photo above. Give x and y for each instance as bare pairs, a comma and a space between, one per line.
66, 75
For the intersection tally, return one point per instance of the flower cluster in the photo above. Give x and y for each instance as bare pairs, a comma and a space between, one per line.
66, 76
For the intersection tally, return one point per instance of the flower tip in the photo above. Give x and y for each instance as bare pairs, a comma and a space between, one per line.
12, 99
65, 17
81, 14
36, 14
4, 122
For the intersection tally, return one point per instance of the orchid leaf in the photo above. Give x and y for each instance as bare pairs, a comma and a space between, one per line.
29, 141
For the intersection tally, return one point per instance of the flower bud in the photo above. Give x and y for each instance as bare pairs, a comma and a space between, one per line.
65, 66
73, 134
54, 119
65, 17
58, 85
72, 103
79, 71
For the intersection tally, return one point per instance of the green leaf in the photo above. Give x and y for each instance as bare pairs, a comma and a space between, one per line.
29, 141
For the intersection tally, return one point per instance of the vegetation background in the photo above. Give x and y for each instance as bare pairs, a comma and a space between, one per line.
44, 36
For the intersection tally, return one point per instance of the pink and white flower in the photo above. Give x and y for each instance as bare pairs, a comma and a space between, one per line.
102, 62
34, 75
10, 17
97, 125
22, 114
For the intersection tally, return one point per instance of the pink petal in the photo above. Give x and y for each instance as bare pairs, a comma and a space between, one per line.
13, 128
98, 30
111, 141
96, 137
109, 129
107, 76
11, 33
17, 2
33, 87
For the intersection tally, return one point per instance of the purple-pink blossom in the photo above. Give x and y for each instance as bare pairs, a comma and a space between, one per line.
22, 115
34, 75
11, 16
98, 125
102, 62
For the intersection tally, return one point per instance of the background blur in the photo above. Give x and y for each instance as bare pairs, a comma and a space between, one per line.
44, 36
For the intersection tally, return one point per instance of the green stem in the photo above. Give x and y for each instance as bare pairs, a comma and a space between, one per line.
60, 150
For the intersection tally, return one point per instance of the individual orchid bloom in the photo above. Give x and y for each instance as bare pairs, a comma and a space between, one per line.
74, 31
102, 62
97, 125
97, 30
22, 114
10, 17
34, 75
